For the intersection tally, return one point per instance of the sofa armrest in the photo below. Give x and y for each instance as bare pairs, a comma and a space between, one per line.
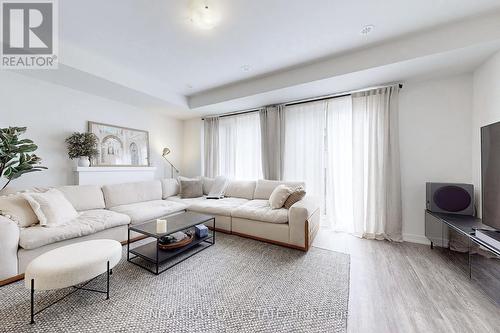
9, 243
303, 219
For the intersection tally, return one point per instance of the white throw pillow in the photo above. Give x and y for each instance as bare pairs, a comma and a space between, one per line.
218, 188
207, 184
52, 208
279, 196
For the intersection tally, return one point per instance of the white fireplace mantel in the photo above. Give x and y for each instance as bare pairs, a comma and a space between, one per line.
112, 175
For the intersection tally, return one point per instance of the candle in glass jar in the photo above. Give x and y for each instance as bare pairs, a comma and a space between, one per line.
161, 226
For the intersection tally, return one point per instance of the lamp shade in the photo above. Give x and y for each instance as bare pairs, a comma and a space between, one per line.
166, 151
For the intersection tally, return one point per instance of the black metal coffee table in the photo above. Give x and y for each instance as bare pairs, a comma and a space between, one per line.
152, 253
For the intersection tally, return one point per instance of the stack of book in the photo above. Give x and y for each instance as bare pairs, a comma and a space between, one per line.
491, 237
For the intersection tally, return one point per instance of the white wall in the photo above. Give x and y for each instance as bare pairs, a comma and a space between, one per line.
192, 143
435, 142
486, 111
52, 112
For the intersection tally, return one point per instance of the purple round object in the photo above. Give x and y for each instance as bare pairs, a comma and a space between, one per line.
452, 198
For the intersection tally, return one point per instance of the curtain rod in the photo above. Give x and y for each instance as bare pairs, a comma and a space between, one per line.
305, 100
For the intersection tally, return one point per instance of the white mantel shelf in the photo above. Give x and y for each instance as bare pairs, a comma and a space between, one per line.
113, 169
112, 175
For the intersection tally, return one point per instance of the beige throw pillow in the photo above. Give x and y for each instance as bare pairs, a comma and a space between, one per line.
52, 208
279, 196
298, 193
190, 188
17, 208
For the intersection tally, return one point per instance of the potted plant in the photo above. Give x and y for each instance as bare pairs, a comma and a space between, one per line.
16, 155
82, 146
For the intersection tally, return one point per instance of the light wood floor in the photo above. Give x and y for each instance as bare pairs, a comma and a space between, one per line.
405, 287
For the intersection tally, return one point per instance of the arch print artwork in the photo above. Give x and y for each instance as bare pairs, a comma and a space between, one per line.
120, 146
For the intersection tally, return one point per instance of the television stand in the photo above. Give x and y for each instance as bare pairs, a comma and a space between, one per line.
454, 237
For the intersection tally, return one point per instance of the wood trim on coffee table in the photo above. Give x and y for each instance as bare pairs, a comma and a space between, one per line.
135, 239
224, 231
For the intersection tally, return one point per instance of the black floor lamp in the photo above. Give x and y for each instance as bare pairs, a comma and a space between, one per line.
166, 151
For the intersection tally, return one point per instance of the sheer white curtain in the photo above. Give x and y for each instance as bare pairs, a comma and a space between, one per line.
346, 150
339, 177
305, 147
272, 131
376, 172
240, 147
211, 138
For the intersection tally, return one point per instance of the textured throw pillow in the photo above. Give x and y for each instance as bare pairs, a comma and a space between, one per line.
218, 188
207, 184
279, 196
52, 208
298, 193
190, 188
17, 208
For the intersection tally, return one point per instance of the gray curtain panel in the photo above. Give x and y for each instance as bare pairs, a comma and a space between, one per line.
377, 180
272, 128
211, 129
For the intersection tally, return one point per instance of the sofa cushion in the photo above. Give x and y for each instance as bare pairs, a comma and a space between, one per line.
186, 201
240, 189
51, 207
264, 188
87, 222
260, 210
221, 207
84, 197
140, 212
170, 187
17, 208
128, 193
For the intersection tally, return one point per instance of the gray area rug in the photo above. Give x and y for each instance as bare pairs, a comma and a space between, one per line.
237, 285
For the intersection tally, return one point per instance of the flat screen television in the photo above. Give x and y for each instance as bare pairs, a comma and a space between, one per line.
490, 175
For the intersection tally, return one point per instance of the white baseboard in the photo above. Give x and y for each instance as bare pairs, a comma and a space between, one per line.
419, 239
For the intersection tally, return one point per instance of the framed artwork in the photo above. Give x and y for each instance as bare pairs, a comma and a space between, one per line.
120, 146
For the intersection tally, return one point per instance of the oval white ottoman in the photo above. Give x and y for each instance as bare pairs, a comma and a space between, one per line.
71, 265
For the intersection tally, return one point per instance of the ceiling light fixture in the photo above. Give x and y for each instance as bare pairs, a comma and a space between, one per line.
245, 68
203, 15
367, 29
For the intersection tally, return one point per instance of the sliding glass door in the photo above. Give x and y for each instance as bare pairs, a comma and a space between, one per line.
345, 149
318, 150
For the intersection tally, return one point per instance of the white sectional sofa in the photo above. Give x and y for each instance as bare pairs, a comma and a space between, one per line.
107, 211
